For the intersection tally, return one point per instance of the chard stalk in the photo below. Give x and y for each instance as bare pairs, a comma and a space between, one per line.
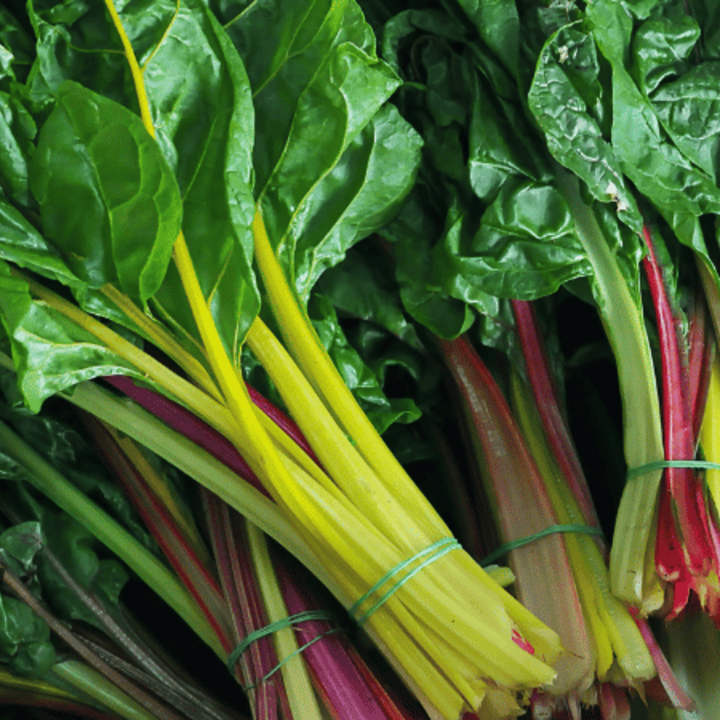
311, 356
548, 407
131, 472
452, 633
615, 631
140, 697
632, 571
678, 425
239, 583
164, 341
301, 696
93, 684
514, 488
65, 495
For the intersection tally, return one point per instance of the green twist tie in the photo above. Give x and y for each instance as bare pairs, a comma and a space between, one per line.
273, 628
434, 552
520, 542
662, 464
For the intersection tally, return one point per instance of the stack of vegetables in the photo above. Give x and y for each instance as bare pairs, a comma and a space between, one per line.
202, 201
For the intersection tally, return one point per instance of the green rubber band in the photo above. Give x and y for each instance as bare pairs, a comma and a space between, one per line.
551, 530
434, 552
322, 635
273, 628
661, 464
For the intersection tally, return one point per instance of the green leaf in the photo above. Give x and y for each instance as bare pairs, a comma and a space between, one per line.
74, 41
22, 244
523, 246
19, 546
17, 130
203, 114
364, 286
359, 195
498, 24
125, 211
566, 79
77, 549
50, 353
330, 166
17, 51
25, 647
685, 98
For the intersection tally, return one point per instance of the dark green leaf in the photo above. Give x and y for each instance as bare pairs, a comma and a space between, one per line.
125, 211
77, 550
363, 382
565, 79
19, 546
498, 24
25, 647
363, 286
523, 246
17, 131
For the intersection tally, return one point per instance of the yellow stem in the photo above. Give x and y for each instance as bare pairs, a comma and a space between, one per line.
311, 356
135, 70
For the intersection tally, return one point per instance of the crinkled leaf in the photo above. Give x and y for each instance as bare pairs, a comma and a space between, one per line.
125, 212
686, 99
564, 82
523, 246
50, 353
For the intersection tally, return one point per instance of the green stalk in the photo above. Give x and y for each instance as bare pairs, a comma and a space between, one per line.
632, 571
93, 685
300, 693
67, 497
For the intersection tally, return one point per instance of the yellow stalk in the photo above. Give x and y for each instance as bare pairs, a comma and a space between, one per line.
312, 358
710, 432
337, 455
301, 696
135, 70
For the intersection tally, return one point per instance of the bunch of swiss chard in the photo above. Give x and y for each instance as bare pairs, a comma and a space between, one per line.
179, 175
571, 148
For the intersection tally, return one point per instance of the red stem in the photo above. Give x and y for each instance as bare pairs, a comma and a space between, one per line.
546, 402
677, 421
